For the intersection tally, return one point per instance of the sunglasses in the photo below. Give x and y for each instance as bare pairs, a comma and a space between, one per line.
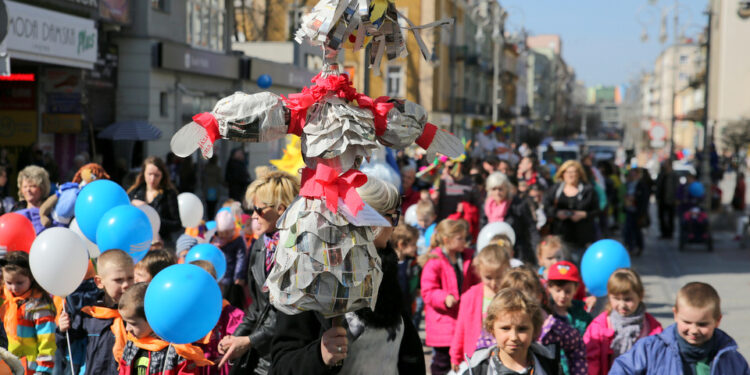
394, 217
257, 210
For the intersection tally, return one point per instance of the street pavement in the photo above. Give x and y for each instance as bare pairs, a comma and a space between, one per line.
664, 270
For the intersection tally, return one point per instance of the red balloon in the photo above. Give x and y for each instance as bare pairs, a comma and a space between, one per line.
16, 232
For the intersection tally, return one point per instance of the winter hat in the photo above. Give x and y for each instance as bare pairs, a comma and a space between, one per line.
564, 271
185, 243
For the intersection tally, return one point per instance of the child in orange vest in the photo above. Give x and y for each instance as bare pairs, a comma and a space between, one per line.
145, 353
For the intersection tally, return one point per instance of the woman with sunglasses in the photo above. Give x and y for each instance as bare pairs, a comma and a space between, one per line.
266, 199
502, 204
370, 340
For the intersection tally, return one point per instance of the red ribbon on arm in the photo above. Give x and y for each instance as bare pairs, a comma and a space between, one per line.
325, 182
379, 108
208, 122
428, 134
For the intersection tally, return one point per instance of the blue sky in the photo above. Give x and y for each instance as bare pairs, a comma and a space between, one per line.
601, 38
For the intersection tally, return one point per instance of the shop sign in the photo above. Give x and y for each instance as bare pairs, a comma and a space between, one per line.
117, 11
42, 35
61, 123
17, 128
186, 59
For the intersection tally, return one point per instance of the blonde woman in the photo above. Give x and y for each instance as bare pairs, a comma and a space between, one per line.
266, 199
33, 189
571, 205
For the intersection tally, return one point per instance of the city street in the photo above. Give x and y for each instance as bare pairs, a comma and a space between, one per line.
664, 270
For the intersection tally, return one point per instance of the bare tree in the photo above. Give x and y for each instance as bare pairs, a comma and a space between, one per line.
736, 134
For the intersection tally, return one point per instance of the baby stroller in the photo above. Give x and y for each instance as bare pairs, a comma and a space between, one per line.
694, 223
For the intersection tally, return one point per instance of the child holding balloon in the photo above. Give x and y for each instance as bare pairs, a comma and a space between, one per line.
29, 318
232, 244
626, 321
102, 322
139, 355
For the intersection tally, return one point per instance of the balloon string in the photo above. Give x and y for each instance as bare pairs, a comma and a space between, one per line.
67, 338
166, 359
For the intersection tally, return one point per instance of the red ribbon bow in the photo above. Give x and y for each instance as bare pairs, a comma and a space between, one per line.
341, 86
325, 182
208, 122
379, 108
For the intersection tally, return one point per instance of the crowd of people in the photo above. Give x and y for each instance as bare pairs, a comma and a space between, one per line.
518, 305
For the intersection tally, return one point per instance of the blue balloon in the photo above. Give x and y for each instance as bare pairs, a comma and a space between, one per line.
211, 253
126, 228
211, 224
93, 201
696, 189
264, 81
599, 261
183, 303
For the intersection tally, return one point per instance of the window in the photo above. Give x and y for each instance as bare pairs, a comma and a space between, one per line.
161, 5
163, 104
205, 23
395, 81
683, 76
683, 59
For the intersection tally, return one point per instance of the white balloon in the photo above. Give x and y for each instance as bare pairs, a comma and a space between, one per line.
93, 250
491, 230
191, 209
58, 261
153, 217
411, 215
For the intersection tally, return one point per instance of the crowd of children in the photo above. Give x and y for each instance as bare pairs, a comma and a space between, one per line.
490, 310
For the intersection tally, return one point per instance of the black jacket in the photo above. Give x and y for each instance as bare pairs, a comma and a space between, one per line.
166, 205
296, 346
580, 233
519, 217
260, 317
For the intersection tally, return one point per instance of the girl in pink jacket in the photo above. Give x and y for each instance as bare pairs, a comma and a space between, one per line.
490, 265
616, 330
444, 278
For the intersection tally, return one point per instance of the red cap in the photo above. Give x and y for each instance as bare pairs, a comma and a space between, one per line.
564, 271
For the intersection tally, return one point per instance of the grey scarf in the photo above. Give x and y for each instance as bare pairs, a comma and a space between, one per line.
627, 329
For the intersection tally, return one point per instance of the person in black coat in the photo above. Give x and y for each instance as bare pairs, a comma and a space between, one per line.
266, 200
571, 205
236, 175
502, 205
381, 341
153, 186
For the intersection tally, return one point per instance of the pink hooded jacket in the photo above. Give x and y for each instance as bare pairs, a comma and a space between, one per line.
598, 339
230, 318
468, 325
438, 281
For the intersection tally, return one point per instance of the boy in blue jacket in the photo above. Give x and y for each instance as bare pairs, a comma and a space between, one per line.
692, 346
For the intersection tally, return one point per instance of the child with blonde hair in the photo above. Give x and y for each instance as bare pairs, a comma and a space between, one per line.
548, 252
625, 321
444, 279
515, 320
491, 264
555, 330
